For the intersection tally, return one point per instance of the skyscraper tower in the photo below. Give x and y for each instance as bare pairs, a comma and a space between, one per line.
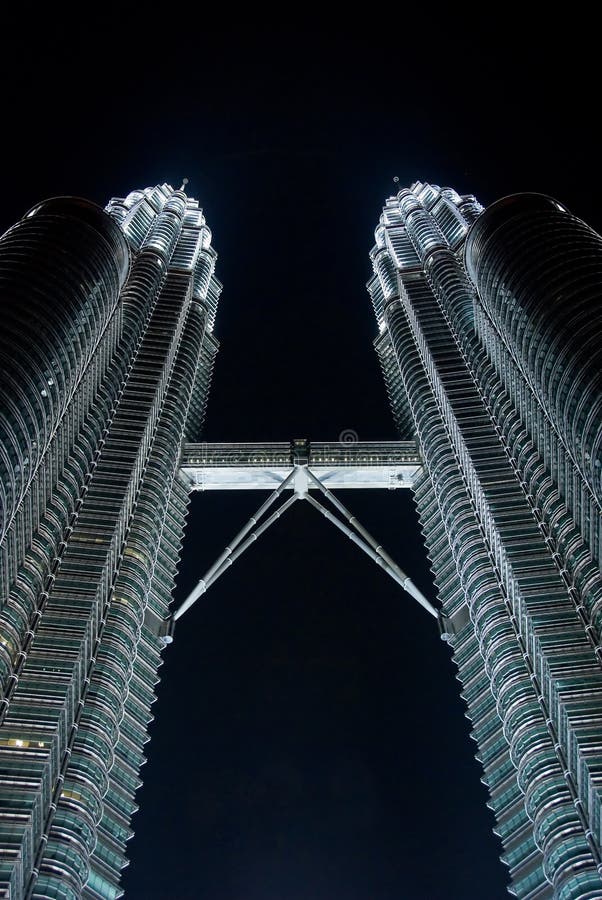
107, 349
491, 347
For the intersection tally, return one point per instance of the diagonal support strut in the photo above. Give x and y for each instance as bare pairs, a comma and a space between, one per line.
227, 557
389, 564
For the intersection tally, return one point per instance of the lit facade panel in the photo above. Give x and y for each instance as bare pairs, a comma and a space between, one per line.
538, 270
55, 312
81, 619
514, 558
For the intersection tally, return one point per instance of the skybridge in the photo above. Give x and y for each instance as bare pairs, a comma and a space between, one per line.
357, 464
301, 470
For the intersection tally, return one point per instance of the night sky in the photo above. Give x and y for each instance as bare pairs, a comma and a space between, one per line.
309, 741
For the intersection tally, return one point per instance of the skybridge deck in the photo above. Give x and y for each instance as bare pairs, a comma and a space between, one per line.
337, 464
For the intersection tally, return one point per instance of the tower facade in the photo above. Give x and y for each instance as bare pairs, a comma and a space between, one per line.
490, 340
107, 350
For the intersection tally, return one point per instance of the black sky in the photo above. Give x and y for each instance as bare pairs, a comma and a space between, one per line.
309, 741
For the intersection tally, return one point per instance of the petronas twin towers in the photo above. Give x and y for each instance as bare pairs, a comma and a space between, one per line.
490, 339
